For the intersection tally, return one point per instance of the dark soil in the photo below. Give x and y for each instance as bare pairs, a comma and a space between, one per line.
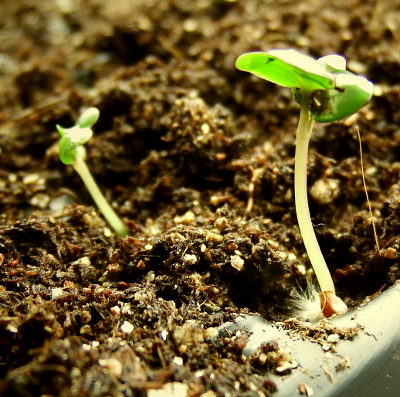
197, 158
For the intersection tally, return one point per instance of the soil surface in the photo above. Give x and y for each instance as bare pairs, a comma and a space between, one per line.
197, 158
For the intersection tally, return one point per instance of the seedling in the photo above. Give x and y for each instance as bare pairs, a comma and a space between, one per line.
326, 92
72, 151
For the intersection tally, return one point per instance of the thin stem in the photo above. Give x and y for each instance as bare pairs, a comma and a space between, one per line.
317, 260
108, 212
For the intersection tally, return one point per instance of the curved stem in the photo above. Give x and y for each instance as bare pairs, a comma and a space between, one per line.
108, 212
317, 260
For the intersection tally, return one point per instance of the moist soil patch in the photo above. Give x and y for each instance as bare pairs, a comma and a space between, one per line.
197, 158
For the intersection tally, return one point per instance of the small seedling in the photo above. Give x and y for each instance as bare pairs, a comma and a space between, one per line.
326, 92
72, 151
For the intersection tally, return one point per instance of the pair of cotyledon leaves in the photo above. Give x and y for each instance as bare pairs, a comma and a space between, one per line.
76, 136
335, 92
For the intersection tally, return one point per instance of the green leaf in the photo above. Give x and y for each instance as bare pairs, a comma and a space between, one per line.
72, 138
350, 95
62, 131
66, 151
288, 68
88, 118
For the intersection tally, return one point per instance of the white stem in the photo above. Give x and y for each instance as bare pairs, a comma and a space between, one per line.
108, 212
317, 260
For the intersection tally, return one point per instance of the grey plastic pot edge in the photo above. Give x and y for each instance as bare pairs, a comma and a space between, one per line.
374, 353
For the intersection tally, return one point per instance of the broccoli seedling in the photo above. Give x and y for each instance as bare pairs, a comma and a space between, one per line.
326, 92
72, 151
